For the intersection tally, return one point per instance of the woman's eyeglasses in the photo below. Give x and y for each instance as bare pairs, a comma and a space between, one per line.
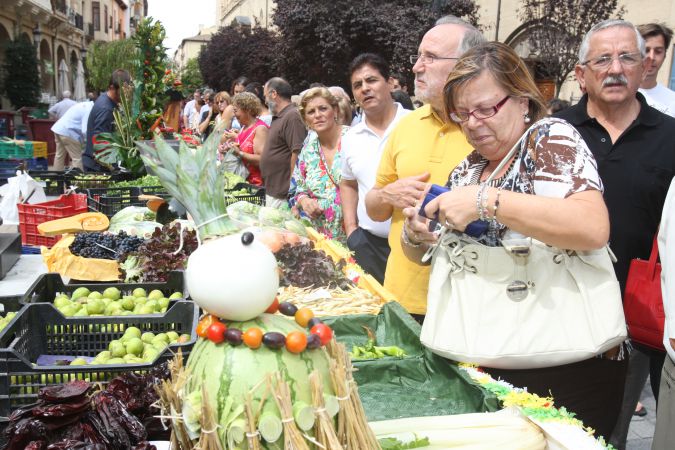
478, 113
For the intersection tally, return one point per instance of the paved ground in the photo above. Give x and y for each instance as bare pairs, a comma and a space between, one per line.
641, 429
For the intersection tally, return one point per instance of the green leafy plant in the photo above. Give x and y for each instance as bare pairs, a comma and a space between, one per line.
105, 57
22, 81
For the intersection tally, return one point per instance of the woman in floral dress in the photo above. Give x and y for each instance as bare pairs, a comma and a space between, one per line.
318, 171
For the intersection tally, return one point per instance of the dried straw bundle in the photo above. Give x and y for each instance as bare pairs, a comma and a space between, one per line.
293, 439
323, 429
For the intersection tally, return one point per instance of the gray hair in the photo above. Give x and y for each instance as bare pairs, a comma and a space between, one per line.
610, 23
472, 37
66, 94
208, 91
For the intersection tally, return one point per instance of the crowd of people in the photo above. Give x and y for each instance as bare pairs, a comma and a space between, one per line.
572, 177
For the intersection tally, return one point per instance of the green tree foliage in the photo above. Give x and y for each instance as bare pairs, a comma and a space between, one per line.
320, 38
191, 77
238, 50
105, 57
22, 81
556, 29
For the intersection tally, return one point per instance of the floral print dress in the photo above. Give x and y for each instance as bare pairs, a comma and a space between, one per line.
315, 180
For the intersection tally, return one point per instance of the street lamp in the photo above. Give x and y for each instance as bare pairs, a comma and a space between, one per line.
37, 35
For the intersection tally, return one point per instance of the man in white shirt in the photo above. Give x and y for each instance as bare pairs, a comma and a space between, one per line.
657, 39
664, 434
59, 109
189, 110
361, 152
69, 133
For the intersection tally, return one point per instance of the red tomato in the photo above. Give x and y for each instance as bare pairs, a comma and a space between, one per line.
296, 341
216, 332
274, 307
323, 331
204, 324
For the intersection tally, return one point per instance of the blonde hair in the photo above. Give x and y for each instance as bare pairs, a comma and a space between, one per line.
249, 102
313, 93
223, 95
505, 66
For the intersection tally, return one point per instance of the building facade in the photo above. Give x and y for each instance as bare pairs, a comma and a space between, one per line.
62, 30
244, 12
190, 47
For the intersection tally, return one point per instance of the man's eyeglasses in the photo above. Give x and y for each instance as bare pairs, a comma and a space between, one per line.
603, 62
478, 113
426, 59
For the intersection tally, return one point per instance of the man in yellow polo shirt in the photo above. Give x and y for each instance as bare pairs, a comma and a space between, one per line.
423, 148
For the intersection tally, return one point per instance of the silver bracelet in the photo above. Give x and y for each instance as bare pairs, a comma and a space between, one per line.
408, 241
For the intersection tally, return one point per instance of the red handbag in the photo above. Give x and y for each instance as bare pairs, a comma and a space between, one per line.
643, 303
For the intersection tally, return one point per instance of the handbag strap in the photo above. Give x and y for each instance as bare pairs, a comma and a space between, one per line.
653, 256
509, 155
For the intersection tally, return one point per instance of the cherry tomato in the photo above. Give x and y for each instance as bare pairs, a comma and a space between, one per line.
216, 332
323, 331
204, 324
253, 337
274, 307
303, 316
296, 341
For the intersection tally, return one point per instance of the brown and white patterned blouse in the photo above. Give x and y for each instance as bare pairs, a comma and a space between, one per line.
553, 161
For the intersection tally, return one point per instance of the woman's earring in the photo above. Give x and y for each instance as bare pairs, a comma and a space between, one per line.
526, 118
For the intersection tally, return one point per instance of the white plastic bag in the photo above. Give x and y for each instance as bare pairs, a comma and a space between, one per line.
233, 164
19, 189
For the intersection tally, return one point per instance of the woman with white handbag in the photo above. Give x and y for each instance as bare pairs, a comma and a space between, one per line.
522, 281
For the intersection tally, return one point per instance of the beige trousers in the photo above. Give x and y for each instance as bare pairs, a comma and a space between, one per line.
664, 434
73, 148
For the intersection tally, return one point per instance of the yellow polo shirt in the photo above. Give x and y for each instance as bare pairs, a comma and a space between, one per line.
420, 143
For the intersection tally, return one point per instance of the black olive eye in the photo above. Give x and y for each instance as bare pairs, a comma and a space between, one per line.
247, 238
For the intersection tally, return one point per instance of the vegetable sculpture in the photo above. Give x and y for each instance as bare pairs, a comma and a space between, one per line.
254, 379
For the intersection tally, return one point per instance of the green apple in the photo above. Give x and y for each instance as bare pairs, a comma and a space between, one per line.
184, 338
113, 309
117, 349
150, 354
128, 303
80, 292
69, 310
78, 362
176, 296
162, 310
140, 300
82, 312
172, 335
127, 313
163, 302
145, 309
95, 306
133, 332
155, 294
139, 292
163, 337
115, 361
95, 294
112, 293
160, 346
152, 304
134, 346
62, 301
147, 337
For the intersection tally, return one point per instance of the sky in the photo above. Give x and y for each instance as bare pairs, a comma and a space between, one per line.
181, 18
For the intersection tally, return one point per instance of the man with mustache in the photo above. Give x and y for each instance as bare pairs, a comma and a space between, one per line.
424, 147
634, 145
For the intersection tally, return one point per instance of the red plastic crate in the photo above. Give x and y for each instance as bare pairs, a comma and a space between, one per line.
30, 216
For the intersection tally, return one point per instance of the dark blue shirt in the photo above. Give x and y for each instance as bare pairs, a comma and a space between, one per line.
100, 121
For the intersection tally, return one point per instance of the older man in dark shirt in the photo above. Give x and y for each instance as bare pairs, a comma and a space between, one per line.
634, 145
101, 118
284, 142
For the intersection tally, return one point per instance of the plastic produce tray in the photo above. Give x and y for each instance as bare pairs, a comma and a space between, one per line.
55, 182
45, 288
110, 201
90, 180
39, 149
255, 195
10, 250
12, 149
37, 164
41, 330
30, 216
11, 303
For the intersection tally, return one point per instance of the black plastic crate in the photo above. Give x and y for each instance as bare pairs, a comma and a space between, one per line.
255, 194
48, 285
11, 303
110, 201
10, 251
41, 330
55, 182
92, 180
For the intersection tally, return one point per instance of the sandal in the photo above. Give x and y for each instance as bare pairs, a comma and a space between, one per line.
640, 412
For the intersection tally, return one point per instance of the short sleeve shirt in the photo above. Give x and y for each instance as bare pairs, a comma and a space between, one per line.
286, 136
552, 161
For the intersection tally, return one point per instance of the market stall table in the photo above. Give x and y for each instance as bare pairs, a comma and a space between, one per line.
24, 273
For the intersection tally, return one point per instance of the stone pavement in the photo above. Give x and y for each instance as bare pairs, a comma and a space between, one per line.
641, 429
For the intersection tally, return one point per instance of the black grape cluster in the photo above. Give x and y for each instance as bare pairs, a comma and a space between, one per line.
85, 245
